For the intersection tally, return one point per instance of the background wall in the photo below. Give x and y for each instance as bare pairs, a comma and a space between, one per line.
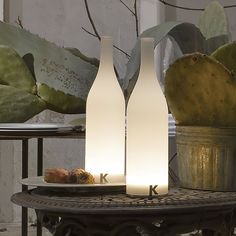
61, 21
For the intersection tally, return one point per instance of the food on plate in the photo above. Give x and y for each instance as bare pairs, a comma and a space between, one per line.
80, 176
61, 175
56, 175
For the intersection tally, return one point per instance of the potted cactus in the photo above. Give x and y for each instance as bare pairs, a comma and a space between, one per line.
200, 91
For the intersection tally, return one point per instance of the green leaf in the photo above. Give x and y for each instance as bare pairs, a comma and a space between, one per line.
18, 101
213, 43
187, 35
13, 70
29, 61
78, 53
213, 21
53, 65
201, 91
226, 55
17, 105
59, 101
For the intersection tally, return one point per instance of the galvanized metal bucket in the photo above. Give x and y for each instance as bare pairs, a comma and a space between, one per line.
206, 157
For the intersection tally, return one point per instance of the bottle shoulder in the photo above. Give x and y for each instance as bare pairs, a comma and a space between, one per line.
147, 98
106, 92
151, 89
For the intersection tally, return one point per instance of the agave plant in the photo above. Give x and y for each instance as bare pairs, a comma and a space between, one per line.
59, 79
38, 75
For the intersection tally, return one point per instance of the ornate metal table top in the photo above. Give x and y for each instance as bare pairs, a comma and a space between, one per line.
178, 199
181, 211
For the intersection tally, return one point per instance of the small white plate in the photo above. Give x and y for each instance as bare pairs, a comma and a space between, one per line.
38, 181
39, 126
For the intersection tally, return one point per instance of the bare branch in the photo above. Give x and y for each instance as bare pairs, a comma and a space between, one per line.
180, 7
119, 49
96, 34
136, 17
230, 6
88, 32
127, 7
91, 20
19, 22
188, 8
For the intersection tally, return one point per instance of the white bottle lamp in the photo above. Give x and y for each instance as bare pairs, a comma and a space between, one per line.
147, 131
105, 122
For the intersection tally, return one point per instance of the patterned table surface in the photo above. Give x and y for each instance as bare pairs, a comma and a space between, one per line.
178, 199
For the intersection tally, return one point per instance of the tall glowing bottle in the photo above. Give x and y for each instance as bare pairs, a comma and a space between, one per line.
147, 131
105, 122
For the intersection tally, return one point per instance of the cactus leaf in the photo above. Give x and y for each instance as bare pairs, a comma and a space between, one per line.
29, 61
58, 101
226, 54
188, 37
213, 21
53, 65
13, 70
213, 43
17, 105
78, 53
200, 91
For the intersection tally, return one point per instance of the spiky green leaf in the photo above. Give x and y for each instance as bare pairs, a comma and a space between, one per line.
58, 101
13, 70
17, 105
53, 65
78, 53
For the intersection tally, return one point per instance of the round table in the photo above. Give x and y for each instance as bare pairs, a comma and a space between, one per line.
26, 131
181, 211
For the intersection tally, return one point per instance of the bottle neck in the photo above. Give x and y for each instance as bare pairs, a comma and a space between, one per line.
147, 63
106, 54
